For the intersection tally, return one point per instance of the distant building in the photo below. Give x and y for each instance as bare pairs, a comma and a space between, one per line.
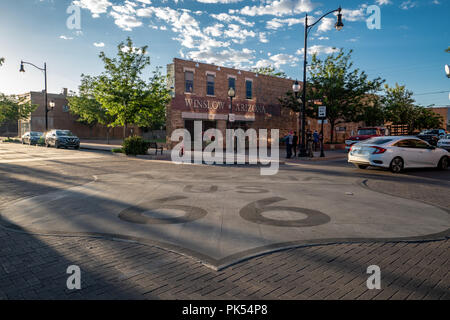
60, 117
444, 111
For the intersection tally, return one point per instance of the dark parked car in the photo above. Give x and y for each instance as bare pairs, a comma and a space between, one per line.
431, 136
31, 137
62, 139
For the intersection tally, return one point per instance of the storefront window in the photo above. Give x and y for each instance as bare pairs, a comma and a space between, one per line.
189, 81
210, 85
248, 89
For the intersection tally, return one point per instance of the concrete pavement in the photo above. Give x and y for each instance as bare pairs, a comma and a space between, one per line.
221, 215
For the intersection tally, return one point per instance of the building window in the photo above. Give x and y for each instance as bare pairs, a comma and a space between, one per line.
209, 84
189, 81
248, 89
232, 83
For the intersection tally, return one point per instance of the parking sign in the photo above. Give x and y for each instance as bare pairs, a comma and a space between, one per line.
322, 112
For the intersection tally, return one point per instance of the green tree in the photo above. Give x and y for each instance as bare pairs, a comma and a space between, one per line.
399, 106
127, 97
14, 108
343, 90
447, 50
373, 113
87, 108
269, 71
426, 118
2, 60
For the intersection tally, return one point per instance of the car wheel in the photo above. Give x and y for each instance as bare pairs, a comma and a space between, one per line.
361, 166
443, 163
396, 165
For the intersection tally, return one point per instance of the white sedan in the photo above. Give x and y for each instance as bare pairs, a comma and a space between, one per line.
398, 153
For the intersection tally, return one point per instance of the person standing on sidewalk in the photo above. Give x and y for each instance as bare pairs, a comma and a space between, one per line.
289, 139
316, 139
309, 144
294, 144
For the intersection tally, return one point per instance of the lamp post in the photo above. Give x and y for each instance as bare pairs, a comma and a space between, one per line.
22, 69
231, 94
339, 25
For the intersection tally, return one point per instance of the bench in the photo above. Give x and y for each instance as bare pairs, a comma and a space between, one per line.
154, 145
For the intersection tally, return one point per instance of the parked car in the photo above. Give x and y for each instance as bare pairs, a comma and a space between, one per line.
444, 142
431, 136
398, 153
364, 134
62, 139
31, 137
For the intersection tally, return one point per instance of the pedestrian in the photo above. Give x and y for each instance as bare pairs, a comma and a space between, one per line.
309, 144
295, 144
288, 140
316, 139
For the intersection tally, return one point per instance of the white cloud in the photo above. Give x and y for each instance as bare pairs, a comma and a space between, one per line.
406, 5
383, 2
355, 15
99, 44
263, 37
277, 23
65, 37
227, 57
219, 1
215, 30
125, 16
235, 31
229, 18
96, 7
319, 49
279, 8
263, 63
283, 58
323, 38
326, 24
145, 1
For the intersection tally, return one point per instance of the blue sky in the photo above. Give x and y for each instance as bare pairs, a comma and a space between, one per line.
408, 49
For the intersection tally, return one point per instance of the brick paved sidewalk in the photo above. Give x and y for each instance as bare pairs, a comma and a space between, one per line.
35, 268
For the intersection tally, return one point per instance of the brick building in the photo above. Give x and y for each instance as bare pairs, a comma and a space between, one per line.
200, 92
444, 112
60, 118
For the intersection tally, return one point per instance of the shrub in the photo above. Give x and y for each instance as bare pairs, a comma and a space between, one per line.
135, 145
117, 150
41, 141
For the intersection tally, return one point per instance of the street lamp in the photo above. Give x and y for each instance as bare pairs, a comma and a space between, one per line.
339, 25
231, 94
22, 69
447, 70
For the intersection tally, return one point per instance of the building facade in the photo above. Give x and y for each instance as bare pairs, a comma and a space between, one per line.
200, 92
60, 117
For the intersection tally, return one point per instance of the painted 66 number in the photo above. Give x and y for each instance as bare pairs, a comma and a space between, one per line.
242, 309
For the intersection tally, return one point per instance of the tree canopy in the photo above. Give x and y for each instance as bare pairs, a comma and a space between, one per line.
269, 71
345, 91
14, 108
120, 96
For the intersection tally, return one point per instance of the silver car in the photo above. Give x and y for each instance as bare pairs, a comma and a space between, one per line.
31, 137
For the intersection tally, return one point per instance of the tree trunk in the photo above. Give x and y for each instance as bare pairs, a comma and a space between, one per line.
124, 130
332, 130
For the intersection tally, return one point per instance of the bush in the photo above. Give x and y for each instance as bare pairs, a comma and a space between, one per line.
41, 141
117, 150
135, 145
12, 140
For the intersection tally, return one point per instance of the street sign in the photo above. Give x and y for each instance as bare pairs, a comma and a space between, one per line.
232, 117
322, 112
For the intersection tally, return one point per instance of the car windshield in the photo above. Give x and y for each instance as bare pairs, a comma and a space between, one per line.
64, 133
377, 141
367, 131
35, 134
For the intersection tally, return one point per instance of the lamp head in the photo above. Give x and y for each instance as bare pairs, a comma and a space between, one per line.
231, 93
22, 69
447, 70
52, 104
339, 25
296, 87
